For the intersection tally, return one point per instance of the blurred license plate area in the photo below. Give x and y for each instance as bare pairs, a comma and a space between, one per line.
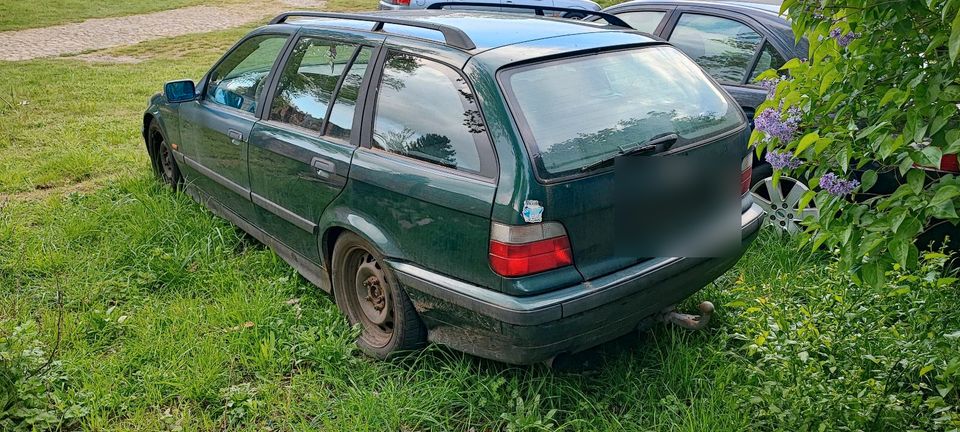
685, 204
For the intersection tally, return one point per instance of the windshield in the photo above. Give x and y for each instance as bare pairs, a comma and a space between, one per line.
575, 112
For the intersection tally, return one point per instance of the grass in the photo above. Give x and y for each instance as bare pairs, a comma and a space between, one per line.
174, 320
21, 14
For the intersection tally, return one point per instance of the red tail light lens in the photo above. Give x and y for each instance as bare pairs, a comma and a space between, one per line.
949, 163
746, 173
523, 250
403, 2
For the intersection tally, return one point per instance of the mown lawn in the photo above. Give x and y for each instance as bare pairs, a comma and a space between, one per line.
171, 319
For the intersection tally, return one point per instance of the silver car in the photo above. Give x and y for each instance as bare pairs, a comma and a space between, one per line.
495, 5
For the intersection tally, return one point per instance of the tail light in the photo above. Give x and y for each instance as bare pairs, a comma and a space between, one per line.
403, 2
949, 163
746, 173
521, 250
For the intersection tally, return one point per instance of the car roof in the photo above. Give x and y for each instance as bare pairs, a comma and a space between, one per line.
487, 30
750, 7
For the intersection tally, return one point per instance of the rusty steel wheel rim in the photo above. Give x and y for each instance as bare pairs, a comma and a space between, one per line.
373, 298
166, 161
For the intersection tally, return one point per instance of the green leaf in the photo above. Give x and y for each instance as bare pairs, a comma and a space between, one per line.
931, 156
867, 180
872, 273
794, 62
805, 142
926, 369
915, 180
888, 96
954, 43
944, 194
822, 144
900, 250
827, 80
805, 199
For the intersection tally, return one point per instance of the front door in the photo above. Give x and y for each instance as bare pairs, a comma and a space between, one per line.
217, 126
299, 156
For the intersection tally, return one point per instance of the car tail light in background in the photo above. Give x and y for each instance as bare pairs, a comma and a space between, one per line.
402, 2
521, 250
949, 163
746, 173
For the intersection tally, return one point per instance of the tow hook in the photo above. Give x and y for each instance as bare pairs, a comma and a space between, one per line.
687, 321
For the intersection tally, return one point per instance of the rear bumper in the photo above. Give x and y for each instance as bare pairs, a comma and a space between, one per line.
525, 330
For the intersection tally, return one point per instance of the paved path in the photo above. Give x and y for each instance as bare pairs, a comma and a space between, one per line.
103, 33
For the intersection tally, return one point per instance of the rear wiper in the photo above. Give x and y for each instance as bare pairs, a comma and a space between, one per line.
659, 143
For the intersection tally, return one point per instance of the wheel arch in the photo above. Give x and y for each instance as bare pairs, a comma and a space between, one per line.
339, 220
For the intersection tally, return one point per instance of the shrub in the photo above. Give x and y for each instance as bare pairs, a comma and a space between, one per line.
877, 97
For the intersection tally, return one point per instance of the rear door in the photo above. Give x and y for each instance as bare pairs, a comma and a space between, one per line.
217, 126
300, 153
727, 45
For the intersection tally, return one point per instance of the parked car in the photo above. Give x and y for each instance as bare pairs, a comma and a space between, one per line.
441, 180
498, 5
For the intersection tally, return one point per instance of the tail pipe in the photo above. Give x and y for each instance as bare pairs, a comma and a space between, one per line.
688, 321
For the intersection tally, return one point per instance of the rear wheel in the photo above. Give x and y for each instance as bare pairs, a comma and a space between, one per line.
163, 163
368, 294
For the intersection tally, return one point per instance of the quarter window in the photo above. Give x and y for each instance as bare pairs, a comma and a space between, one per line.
723, 47
769, 59
238, 80
645, 21
308, 82
426, 110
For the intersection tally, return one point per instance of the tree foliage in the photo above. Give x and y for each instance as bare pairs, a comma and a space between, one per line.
877, 98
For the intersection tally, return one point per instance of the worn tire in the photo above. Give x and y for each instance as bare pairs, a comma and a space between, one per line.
361, 283
164, 164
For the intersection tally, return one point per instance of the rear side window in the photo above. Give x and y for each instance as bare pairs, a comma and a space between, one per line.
308, 81
769, 59
341, 117
238, 80
425, 110
576, 111
645, 21
722, 46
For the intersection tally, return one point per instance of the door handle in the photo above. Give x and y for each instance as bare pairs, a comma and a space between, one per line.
236, 137
323, 168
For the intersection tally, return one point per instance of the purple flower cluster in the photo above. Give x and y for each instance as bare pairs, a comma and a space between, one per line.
836, 185
843, 39
777, 125
770, 85
781, 160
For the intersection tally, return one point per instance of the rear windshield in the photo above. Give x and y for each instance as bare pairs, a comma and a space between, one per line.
577, 111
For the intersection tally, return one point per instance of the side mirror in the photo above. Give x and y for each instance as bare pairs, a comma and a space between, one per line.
180, 91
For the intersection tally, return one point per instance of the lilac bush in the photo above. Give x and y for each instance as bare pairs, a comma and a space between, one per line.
836, 185
775, 124
780, 160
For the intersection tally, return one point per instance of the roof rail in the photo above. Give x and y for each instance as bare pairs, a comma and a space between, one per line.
609, 18
451, 35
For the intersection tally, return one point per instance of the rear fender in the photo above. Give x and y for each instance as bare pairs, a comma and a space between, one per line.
337, 219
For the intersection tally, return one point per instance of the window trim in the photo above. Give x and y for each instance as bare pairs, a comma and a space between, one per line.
680, 12
489, 166
275, 85
268, 81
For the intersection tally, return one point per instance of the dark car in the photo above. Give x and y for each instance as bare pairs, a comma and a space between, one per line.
435, 171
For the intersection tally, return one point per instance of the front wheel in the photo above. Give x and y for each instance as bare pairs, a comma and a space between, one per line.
368, 294
164, 164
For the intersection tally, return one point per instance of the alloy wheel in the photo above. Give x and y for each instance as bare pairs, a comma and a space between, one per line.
781, 203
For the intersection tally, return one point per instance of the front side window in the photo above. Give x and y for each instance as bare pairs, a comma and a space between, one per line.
238, 80
308, 81
426, 110
580, 110
722, 46
645, 21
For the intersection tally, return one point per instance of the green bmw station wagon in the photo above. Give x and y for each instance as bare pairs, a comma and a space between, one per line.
453, 176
